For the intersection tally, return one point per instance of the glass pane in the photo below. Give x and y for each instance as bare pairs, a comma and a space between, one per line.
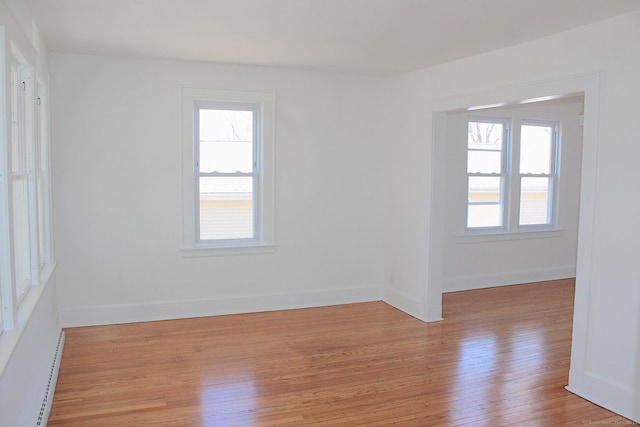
488, 191
484, 189
534, 201
226, 208
20, 235
535, 149
484, 161
485, 136
484, 216
226, 141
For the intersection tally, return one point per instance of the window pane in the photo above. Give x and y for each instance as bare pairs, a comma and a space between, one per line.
535, 149
484, 161
20, 235
226, 208
484, 216
484, 189
484, 202
534, 201
226, 140
485, 136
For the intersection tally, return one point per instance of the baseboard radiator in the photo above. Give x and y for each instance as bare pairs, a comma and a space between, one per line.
47, 400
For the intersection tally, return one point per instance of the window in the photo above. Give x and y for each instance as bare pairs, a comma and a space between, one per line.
227, 171
26, 256
226, 166
511, 176
486, 173
537, 173
21, 138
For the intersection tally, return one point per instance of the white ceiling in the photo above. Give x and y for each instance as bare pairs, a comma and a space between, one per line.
372, 37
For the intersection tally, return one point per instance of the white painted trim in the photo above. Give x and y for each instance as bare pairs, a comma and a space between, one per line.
484, 237
251, 249
616, 398
479, 281
402, 302
10, 339
143, 312
583, 310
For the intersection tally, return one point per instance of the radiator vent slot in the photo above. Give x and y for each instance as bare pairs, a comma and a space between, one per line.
45, 409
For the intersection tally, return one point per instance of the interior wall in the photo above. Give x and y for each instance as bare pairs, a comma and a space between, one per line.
486, 260
117, 182
608, 295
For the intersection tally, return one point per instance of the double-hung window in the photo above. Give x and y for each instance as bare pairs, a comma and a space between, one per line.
26, 258
227, 171
487, 150
512, 175
538, 172
21, 164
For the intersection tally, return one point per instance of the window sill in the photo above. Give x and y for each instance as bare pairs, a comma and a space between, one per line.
485, 236
244, 249
10, 338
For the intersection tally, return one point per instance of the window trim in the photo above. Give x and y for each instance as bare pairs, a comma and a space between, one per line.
264, 209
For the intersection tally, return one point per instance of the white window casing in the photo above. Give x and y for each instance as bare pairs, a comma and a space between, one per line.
259, 176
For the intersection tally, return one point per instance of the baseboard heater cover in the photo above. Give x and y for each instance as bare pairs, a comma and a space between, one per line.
45, 409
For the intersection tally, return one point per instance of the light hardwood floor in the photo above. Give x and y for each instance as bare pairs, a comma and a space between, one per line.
500, 357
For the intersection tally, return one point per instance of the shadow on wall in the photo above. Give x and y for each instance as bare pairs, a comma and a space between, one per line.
637, 373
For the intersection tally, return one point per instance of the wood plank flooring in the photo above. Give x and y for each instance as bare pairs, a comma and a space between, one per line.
500, 357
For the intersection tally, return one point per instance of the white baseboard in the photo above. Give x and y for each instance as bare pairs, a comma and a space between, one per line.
128, 313
611, 396
410, 305
465, 283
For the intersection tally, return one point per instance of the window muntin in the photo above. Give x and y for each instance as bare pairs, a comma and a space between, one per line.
486, 172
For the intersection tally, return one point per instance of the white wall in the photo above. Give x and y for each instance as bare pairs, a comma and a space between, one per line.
116, 161
604, 58
479, 261
28, 350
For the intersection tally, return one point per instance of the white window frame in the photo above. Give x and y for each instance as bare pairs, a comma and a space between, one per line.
264, 161
503, 174
23, 88
510, 189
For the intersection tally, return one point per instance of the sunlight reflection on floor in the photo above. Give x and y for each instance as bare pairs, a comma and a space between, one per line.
228, 402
